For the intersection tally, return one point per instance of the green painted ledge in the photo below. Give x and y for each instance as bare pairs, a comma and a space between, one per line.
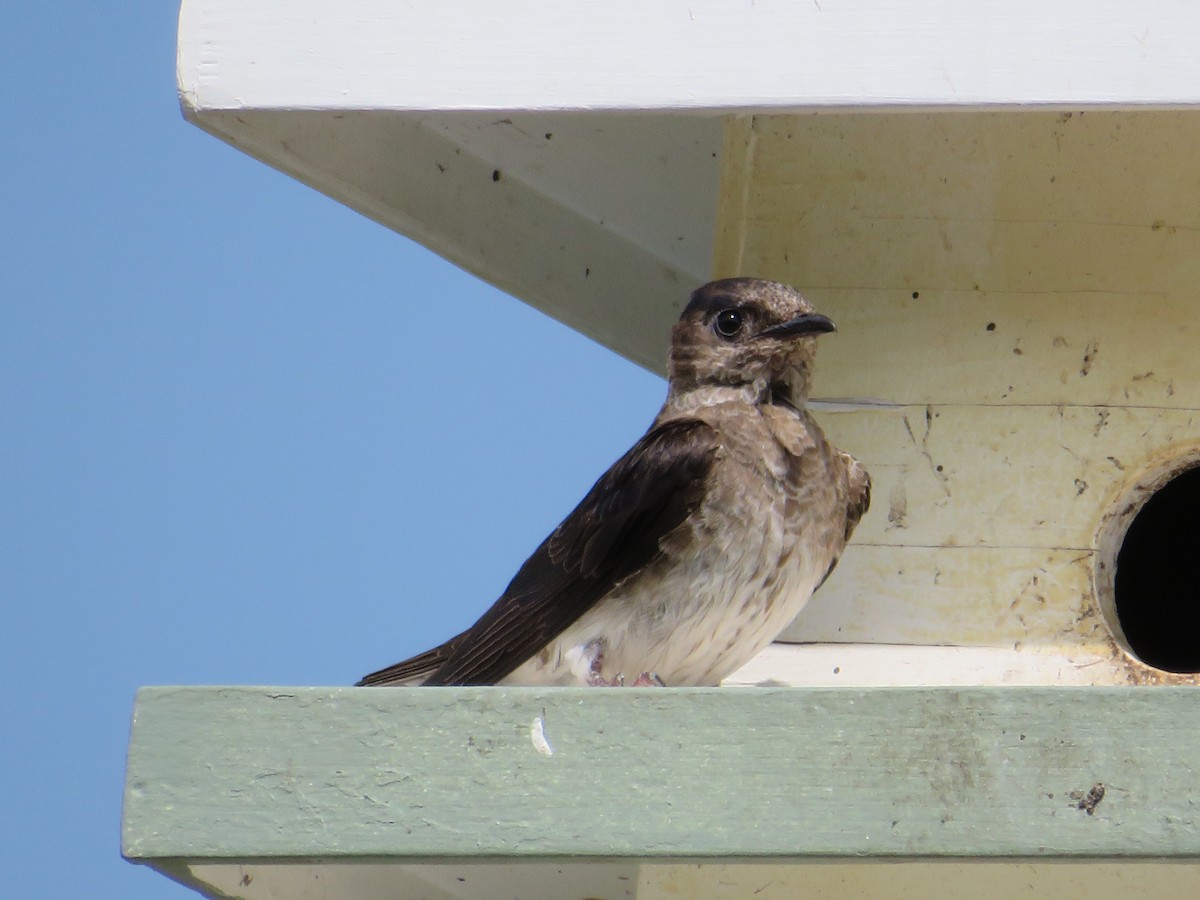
496, 774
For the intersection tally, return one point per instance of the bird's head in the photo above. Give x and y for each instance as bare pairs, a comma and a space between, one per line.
746, 333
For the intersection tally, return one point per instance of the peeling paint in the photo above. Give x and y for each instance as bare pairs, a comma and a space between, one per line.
897, 506
537, 736
1089, 358
1088, 800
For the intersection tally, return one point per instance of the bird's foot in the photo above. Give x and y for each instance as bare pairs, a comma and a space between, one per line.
598, 680
595, 677
648, 679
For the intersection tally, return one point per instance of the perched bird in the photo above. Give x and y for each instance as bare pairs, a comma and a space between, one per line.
702, 542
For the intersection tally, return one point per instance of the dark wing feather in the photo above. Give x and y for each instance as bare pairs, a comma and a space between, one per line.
860, 496
858, 501
613, 534
418, 667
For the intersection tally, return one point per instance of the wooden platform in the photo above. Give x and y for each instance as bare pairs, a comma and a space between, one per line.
623, 792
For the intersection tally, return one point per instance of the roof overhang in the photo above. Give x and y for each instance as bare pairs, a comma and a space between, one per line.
569, 152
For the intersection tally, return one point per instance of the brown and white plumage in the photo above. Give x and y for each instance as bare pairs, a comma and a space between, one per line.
702, 542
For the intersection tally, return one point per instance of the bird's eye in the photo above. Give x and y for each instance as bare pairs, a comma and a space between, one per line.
728, 322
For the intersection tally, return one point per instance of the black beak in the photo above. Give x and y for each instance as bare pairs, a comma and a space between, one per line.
811, 323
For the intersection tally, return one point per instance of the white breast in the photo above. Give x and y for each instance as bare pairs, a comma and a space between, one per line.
697, 620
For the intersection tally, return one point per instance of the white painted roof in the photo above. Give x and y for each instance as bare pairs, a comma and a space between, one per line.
567, 151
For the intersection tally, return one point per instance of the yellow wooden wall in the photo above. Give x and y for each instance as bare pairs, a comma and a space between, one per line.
1018, 346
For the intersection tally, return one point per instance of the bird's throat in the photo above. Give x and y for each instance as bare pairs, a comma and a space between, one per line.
789, 392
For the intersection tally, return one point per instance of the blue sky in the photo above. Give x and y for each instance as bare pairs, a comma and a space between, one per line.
249, 437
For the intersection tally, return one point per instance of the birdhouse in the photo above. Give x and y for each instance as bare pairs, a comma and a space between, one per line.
997, 205
1014, 292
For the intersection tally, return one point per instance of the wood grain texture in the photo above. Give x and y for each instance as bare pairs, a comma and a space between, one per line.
1054, 257
869, 664
1005, 475
425, 774
984, 524
967, 597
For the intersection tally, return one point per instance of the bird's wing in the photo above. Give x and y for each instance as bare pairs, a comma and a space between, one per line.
858, 501
858, 483
613, 534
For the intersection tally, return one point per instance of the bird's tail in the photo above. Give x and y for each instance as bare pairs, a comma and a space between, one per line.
412, 671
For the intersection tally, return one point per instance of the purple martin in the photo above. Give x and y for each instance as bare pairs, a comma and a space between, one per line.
701, 543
